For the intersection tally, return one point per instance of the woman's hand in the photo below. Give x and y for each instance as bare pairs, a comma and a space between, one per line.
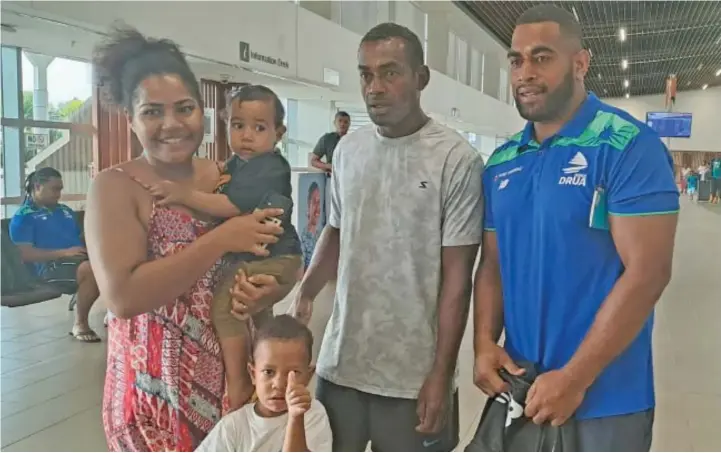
250, 233
253, 294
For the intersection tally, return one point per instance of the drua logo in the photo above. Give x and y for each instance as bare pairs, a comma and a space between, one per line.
572, 175
574, 180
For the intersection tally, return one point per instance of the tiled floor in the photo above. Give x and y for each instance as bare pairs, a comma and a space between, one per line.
51, 385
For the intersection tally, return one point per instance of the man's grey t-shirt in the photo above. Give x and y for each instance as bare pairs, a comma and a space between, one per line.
326, 146
397, 202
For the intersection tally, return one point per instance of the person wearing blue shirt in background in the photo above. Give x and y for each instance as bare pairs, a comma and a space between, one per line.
716, 180
692, 185
581, 214
49, 237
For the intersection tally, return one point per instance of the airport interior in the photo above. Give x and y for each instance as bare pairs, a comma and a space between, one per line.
659, 61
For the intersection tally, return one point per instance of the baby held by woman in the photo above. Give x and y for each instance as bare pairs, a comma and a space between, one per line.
256, 177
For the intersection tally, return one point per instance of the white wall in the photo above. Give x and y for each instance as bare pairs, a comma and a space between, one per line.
306, 41
705, 105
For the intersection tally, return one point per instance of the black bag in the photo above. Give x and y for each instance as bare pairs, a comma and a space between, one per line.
16, 277
504, 427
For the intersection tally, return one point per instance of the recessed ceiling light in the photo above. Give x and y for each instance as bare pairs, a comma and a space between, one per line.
718, 73
628, 95
626, 83
624, 63
704, 86
622, 34
600, 76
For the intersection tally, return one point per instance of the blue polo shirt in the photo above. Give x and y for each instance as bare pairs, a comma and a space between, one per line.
556, 271
716, 169
45, 229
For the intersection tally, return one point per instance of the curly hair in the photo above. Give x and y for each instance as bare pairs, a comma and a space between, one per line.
126, 58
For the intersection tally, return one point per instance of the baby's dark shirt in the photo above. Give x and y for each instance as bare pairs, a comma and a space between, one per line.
250, 182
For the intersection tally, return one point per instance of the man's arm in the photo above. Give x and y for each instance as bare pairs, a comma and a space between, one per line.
453, 305
487, 295
318, 153
645, 245
319, 164
324, 264
462, 196
461, 234
30, 254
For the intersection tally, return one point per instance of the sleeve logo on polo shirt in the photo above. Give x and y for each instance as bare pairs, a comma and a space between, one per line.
573, 175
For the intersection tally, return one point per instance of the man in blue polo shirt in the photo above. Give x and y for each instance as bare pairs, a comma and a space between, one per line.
581, 213
48, 237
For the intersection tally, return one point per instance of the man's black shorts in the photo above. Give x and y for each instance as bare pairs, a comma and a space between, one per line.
357, 418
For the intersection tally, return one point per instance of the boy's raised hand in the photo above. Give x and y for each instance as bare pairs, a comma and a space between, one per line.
297, 396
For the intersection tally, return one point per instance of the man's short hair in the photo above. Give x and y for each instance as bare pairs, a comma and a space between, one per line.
283, 327
567, 23
389, 30
342, 114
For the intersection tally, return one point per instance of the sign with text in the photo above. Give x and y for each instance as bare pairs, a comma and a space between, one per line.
37, 141
246, 55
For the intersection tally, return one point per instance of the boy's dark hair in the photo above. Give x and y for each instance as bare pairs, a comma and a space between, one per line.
283, 327
342, 114
127, 58
567, 23
255, 93
38, 178
388, 30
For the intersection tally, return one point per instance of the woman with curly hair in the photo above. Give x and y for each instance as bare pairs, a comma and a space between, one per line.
157, 265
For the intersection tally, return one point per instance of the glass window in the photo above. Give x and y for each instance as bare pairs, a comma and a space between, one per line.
361, 16
40, 96
54, 88
503, 86
462, 64
451, 55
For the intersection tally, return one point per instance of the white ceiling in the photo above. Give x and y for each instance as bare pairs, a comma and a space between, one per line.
61, 39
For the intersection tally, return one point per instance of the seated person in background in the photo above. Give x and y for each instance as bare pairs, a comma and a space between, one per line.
285, 417
49, 237
257, 175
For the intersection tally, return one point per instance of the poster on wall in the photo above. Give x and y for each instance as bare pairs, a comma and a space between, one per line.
209, 125
311, 211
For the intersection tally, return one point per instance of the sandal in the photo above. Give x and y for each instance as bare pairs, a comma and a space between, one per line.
86, 336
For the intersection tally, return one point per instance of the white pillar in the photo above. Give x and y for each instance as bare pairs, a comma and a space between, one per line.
40, 93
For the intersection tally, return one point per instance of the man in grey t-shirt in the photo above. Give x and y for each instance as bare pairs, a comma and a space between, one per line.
326, 145
403, 234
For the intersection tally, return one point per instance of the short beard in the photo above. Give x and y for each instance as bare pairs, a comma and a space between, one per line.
556, 102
